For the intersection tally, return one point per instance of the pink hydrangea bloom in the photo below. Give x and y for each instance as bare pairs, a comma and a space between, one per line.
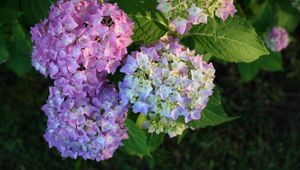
80, 35
78, 45
180, 24
226, 9
277, 39
197, 15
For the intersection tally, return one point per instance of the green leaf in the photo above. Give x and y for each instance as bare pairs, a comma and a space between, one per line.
287, 16
272, 62
234, 40
137, 142
248, 71
36, 10
3, 50
140, 120
213, 114
149, 23
9, 15
78, 164
263, 15
181, 137
19, 49
155, 141
11, 4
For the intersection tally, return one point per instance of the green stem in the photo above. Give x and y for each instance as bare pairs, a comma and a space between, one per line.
140, 120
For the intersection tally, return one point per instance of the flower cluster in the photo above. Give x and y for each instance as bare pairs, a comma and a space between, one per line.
82, 41
78, 45
185, 13
80, 35
91, 126
166, 82
277, 39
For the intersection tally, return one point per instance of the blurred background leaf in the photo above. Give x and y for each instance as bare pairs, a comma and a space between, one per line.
19, 48
3, 50
9, 15
272, 62
16, 18
287, 16
36, 10
248, 71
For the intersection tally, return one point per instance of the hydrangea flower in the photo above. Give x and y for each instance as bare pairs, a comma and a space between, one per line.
277, 39
80, 35
185, 13
167, 82
90, 126
226, 8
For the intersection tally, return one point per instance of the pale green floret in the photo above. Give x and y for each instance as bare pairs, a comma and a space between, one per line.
162, 125
179, 8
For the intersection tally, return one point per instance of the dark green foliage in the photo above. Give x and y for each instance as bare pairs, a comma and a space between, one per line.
9, 15
272, 62
213, 114
150, 24
35, 10
3, 49
140, 143
137, 142
19, 47
16, 18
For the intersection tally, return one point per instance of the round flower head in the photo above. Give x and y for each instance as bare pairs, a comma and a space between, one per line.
80, 35
277, 39
91, 127
167, 82
185, 13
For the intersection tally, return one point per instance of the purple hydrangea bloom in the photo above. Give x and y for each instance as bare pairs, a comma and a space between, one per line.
277, 39
80, 35
167, 82
90, 125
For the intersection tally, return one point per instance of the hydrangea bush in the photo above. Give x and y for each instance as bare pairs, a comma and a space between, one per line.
128, 73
